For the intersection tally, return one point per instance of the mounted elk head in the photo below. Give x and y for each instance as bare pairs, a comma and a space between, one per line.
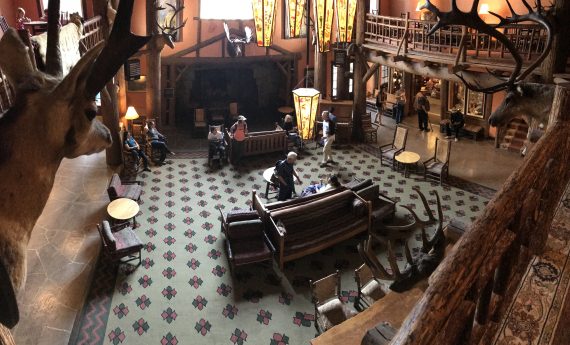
523, 98
53, 117
169, 31
236, 43
418, 267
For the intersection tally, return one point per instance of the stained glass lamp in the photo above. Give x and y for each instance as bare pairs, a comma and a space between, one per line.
306, 104
264, 17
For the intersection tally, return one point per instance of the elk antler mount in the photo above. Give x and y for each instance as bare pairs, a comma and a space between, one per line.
169, 30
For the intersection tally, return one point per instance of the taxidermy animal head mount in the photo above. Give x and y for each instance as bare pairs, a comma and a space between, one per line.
515, 85
236, 41
53, 117
418, 267
170, 30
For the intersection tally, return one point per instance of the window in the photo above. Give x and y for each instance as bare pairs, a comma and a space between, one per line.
374, 7
351, 81
334, 92
69, 6
475, 103
226, 9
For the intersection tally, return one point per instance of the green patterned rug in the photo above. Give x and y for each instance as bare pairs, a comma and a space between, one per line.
184, 293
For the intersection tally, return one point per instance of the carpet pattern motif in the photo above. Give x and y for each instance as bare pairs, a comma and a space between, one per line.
184, 293
535, 312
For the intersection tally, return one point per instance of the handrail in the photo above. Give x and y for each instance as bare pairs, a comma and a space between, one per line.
468, 293
392, 32
92, 33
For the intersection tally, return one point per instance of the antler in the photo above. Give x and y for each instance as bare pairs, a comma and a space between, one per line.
378, 270
417, 220
121, 45
169, 29
427, 245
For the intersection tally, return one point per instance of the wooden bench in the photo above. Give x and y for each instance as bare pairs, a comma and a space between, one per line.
258, 143
473, 130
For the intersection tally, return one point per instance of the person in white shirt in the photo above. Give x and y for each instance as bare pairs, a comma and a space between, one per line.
216, 142
329, 130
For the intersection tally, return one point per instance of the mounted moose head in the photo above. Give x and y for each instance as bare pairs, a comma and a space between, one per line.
419, 267
523, 98
236, 43
53, 118
169, 30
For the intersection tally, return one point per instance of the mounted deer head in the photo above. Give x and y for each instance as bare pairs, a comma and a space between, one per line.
169, 31
522, 98
419, 267
53, 118
236, 43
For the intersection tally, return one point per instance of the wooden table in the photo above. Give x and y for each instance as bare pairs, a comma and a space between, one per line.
286, 110
407, 158
267, 175
123, 209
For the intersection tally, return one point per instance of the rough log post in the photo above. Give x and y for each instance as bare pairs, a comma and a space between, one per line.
468, 262
6, 337
153, 100
53, 53
320, 71
359, 105
109, 100
555, 62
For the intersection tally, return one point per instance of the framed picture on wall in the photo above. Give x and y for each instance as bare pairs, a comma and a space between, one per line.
169, 18
137, 85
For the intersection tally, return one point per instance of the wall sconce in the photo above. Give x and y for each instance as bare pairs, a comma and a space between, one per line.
264, 17
296, 10
345, 11
306, 105
324, 13
131, 115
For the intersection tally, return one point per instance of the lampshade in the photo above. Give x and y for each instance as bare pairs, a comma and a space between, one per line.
296, 9
324, 13
264, 16
484, 9
345, 11
131, 113
306, 105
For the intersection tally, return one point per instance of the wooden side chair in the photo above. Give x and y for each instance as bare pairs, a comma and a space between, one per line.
329, 309
247, 243
388, 152
438, 165
369, 288
233, 112
120, 189
370, 133
200, 119
120, 242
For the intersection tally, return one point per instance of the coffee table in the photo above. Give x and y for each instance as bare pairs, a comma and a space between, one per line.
407, 159
267, 175
123, 209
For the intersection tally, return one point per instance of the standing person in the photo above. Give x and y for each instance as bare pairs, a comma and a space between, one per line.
400, 103
133, 147
332, 116
21, 19
285, 172
157, 141
422, 107
329, 131
456, 122
238, 133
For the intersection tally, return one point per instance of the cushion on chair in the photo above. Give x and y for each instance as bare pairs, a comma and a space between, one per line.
435, 167
373, 290
245, 229
238, 215
108, 237
127, 239
389, 153
333, 313
250, 251
132, 191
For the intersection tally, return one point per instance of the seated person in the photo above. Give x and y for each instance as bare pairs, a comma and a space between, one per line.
134, 149
157, 141
456, 122
216, 142
332, 183
292, 131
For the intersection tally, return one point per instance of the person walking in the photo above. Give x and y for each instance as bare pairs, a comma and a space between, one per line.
400, 103
285, 172
422, 107
238, 133
329, 131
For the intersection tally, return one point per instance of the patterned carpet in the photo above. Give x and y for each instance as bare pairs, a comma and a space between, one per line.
184, 293
534, 315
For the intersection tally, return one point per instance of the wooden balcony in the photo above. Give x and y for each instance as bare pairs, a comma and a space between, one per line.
452, 45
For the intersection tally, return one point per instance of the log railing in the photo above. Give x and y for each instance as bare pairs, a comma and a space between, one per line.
469, 292
410, 36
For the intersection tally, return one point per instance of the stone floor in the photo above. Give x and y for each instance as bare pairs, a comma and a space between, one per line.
65, 242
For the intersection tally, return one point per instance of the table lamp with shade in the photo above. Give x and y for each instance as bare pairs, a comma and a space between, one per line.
130, 116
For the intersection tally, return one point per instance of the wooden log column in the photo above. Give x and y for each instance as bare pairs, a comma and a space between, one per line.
359, 105
321, 71
153, 101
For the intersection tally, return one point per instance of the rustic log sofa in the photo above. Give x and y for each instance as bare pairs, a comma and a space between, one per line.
263, 142
298, 228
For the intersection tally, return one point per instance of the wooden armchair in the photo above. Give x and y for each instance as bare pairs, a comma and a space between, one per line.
370, 133
200, 119
119, 189
390, 151
119, 242
369, 289
247, 243
329, 309
438, 165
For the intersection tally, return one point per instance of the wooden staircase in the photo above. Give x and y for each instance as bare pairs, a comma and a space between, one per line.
515, 135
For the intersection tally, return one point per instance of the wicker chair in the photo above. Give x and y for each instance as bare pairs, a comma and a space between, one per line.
390, 151
438, 165
370, 133
329, 309
369, 289
119, 242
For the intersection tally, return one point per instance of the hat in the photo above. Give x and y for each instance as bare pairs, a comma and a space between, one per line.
423, 89
241, 118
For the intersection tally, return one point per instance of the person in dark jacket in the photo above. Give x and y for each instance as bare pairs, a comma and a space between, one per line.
456, 122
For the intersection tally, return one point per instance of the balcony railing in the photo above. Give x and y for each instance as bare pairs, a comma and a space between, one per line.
410, 37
